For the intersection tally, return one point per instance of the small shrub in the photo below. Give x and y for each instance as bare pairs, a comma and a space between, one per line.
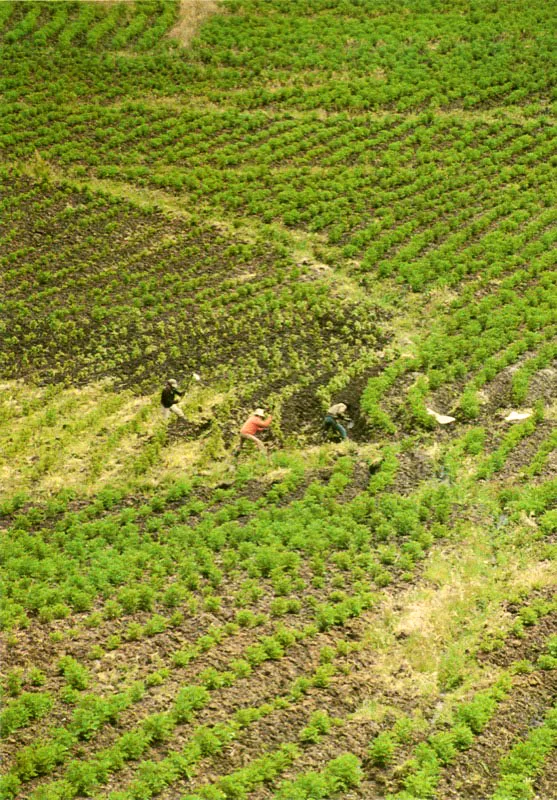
547, 662
189, 699
156, 678
36, 677
444, 745
158, 727
134, 631
463, 737
319, 724
112, 610
155, 625
343, 773
470, 404
14, 682
382, 749
75, 673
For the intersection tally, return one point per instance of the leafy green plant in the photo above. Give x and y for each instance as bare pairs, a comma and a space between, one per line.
76, 675
382, 749
525, 760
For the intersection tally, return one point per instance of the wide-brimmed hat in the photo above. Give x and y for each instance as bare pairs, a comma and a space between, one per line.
258, 412
172, 382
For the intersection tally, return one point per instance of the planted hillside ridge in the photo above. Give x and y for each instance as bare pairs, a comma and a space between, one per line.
180, 294
294, 209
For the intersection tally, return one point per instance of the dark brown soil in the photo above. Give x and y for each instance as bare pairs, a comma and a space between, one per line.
415, 466
543, 386
304, 413
341, 698
475, 773
160, 296
527, 647
521, 456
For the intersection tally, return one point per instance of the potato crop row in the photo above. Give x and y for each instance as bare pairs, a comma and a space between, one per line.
189, 310
86, 24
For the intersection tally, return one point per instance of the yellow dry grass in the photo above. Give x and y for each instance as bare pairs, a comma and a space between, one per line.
433, 626
550, 412
87, 437
83, 438
191, 16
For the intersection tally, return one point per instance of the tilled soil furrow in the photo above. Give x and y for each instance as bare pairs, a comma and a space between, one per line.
272, 679
474, 775
341, 698
530, 646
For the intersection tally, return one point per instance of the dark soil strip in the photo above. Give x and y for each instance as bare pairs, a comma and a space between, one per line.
343, 697
414, 467
271, 679
529, 647
523, 454
545, 787
476, 773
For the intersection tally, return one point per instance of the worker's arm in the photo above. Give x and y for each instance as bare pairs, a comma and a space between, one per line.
264, 423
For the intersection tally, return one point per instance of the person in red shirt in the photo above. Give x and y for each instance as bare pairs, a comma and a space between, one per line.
255, 423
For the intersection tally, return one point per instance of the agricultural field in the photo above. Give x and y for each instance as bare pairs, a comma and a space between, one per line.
305, 202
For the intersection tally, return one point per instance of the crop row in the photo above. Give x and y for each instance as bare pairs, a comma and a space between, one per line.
93, 711
41, 757
526, 759
207, 278
152, 778
481, 333
209, 552
152, 729
394, 511
339, 199
254, 654
327, 614
439, 760
516, 768
470, 718
141, 134
87, 24
401, 61
79, 536
440, 749
427, 184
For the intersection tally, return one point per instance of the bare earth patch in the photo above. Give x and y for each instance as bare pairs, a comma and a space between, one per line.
192, 14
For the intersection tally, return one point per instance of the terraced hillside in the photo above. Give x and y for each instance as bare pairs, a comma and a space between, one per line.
304, 202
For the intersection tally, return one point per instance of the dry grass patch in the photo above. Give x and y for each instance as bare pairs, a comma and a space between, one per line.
192, 15
426, 638
85, 437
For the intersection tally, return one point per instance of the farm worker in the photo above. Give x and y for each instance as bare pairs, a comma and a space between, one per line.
168, 399
334, 413
255, 423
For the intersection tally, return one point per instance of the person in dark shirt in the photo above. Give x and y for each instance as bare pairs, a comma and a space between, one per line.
169, 395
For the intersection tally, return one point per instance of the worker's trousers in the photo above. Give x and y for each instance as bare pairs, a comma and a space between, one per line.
243, 436
331, 422
175, 410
